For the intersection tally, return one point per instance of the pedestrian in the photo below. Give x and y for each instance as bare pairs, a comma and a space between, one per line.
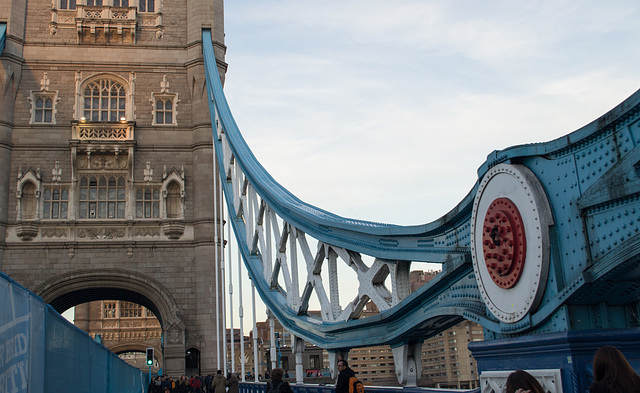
522, 382
277, 385
219, 383
345, 372
233, 383
612, 372
196, 384
183, 385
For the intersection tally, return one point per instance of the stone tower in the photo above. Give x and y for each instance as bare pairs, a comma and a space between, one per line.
106, 160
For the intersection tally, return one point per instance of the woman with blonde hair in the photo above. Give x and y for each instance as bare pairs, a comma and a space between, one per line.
612, 373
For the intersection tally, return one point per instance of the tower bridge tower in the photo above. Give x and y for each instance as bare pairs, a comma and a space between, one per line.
107, 185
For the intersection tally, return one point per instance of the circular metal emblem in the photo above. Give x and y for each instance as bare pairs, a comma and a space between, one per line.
504, 243
510, 241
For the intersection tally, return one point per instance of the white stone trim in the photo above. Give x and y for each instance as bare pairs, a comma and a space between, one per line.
495, 381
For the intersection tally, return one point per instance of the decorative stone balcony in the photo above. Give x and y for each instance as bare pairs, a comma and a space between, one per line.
102, 131
105, 24
94, 139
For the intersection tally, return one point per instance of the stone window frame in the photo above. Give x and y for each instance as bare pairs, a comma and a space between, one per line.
106, 200
47, 211
43, 94
164, 95
65, 4
154, 191
81, 85
109, 309
130, 309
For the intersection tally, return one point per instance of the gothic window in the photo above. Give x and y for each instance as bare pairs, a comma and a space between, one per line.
120, 3
164, 111
102, 197
94, 2
67, 4
43, 103
104, 100
28, 201
43, 109
164, 104
148, 203
130, 310
108, 309
147, 6
174, 207
55, 203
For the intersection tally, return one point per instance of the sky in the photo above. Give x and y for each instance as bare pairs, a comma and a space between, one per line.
384, 110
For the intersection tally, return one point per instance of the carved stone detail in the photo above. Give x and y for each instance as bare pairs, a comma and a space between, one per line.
173, 230
147, 231
27, 231
54, 232
101, 233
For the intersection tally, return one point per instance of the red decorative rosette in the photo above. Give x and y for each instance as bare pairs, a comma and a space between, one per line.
504, 243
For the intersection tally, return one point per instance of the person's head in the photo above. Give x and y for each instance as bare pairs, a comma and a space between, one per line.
342, 365
219, 372
522, 380
277, 373
612, 368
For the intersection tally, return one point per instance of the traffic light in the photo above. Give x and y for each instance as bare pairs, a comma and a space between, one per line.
149, 356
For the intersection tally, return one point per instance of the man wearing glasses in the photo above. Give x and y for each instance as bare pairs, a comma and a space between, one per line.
342, 384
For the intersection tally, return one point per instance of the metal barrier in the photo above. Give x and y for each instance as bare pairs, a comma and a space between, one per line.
41, 351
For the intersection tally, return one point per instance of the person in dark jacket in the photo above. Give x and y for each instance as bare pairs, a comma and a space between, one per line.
345, 372
219, 383
612, 373
233, 383
277, 384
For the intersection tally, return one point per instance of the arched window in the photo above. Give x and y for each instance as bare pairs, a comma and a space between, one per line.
104, 100
28, 201
173, 201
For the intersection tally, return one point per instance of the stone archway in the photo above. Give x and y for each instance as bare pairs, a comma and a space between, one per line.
69, 289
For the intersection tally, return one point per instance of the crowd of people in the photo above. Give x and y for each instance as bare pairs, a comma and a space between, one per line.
217, 383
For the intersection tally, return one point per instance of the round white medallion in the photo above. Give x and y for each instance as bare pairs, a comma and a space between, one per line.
510, 241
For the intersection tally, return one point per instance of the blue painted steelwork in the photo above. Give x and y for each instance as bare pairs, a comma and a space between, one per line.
590, 178
3, 36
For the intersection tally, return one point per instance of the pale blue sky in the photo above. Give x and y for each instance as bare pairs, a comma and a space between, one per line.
384, 110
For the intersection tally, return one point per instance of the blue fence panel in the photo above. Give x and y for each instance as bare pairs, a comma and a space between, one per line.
39, 350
